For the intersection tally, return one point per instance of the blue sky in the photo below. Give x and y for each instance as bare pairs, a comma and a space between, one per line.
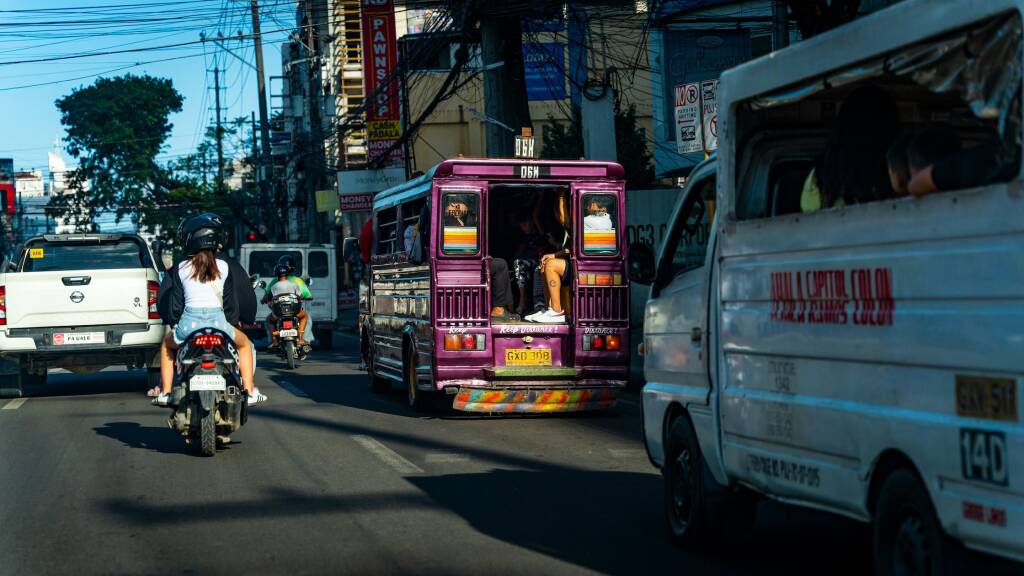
49, 29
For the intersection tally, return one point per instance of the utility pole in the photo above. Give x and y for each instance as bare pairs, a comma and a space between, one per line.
403, 73
501, 46
314, 163
780, 25
264, 166
220, 133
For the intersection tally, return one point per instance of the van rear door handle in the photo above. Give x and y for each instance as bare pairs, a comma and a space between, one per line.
76, 280
695, 334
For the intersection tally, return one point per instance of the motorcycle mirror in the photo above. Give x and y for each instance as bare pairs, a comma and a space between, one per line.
309, 282
261, 284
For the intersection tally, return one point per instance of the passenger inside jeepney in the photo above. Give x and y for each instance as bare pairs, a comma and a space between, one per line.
461, 223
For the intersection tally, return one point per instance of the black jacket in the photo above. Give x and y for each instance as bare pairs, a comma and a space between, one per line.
239, 297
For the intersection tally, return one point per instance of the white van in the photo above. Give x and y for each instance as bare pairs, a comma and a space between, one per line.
863, 358
316, 262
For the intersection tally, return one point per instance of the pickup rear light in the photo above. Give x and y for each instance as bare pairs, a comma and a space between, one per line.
464, 341
608, 342
153, 288
3, 306
208, 340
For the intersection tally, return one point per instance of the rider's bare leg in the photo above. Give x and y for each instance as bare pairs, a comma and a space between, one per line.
303, 320
245, 359
167, 351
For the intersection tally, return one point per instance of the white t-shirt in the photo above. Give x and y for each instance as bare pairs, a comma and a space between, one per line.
198, 294
597, 222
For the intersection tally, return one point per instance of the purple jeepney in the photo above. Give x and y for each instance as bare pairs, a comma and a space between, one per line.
426, 322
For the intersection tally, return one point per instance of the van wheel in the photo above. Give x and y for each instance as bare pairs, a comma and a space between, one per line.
419, 400
908, 538
684, 490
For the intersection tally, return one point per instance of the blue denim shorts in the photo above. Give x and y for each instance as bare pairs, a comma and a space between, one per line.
193, 319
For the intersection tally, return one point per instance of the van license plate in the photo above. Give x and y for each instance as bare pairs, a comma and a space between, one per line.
287, 333
522, 357
71, 338
207, 382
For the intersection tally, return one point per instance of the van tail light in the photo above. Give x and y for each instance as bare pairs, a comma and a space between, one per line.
464, 341
608, 342
153, 288
3, 306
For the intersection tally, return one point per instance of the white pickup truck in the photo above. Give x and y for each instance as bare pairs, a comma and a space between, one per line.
81, 302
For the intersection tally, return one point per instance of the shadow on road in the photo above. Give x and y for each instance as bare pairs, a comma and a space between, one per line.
113, 382
134, 435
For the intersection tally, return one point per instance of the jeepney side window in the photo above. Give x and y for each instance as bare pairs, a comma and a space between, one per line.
600, 219
410, 222
387, 231
687, 243
460, 215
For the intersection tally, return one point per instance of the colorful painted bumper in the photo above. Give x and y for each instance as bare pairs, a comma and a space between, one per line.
534, 400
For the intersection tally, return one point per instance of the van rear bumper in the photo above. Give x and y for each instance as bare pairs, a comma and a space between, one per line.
118, 337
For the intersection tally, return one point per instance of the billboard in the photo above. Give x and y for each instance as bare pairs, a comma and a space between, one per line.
544, 66
380, 79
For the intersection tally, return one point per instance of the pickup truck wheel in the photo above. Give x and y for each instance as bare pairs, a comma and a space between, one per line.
685, 503
908, 538
10, 386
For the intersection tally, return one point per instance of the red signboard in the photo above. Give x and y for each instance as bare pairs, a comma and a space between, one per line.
356, 202
380, 69
7, 197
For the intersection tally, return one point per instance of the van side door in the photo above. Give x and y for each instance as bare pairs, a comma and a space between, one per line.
675, 321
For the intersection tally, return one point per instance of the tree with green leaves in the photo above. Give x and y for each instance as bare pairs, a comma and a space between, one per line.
115, 129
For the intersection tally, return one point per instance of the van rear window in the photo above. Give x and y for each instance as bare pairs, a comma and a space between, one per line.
262, 262
67, 256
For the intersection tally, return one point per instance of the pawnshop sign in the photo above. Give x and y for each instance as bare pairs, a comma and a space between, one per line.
380, 63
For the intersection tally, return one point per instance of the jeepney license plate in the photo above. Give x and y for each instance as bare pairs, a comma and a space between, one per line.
523, 357
206, 382
69, 338
287, 333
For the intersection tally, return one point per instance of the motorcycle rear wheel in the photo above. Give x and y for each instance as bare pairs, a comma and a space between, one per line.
208, 435
289, 353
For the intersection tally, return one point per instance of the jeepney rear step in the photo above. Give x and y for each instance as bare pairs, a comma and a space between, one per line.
534, 400
532, 372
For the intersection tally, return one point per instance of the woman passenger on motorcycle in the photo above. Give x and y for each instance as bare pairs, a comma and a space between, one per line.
201, 279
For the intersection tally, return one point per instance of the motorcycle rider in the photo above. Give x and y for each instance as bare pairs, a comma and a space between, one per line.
207, 289
285, 273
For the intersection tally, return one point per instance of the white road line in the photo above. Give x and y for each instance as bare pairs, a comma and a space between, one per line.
291, 388
626, 452
387, 455
446, 458
14, 404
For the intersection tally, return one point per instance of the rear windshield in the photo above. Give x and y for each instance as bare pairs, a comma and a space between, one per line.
45, 256
262, 262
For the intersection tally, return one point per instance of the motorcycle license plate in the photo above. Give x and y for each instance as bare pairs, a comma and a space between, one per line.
287, 333
207, 382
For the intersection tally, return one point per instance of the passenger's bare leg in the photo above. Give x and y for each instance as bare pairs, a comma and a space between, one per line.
553, 283
245, 365
303, 320
167, 351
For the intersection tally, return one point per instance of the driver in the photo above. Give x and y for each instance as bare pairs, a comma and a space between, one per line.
287, 282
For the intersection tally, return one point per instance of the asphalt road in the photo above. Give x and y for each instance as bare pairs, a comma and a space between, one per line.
328, 478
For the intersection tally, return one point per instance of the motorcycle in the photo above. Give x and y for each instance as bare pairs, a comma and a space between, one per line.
286, 308
208, 398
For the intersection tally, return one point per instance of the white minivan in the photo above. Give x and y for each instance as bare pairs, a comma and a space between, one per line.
815, 337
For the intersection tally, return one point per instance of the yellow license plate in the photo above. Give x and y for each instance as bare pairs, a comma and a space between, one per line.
521, 357
984, 397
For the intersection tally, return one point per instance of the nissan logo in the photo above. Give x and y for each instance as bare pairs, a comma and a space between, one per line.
77, 296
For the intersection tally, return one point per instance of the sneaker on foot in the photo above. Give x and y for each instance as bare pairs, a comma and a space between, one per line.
162, 400
256, 397
549, 316
533, 317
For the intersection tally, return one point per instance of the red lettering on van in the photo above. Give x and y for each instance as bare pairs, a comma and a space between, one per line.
824, 296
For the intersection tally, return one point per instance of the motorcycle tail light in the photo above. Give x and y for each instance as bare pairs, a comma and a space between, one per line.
207, 364
208, 340
287, 324
3, 305
152, 289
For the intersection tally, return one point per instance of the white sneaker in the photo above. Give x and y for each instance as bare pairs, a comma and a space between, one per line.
256, 397
549, 316
533, 317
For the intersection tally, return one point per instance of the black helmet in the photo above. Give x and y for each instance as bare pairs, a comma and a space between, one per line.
281, 270
288, 262
202, 232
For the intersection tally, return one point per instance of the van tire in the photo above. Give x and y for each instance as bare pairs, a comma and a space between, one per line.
907, 536
685, 506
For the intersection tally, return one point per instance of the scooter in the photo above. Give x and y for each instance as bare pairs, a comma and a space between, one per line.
286, 308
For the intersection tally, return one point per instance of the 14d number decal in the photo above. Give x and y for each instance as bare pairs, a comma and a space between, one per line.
983, 456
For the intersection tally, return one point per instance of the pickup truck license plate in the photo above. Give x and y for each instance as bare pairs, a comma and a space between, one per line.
70, 338
206, 382
522, 357
287, 333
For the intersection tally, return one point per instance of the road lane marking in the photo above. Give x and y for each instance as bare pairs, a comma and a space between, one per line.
627, 452
387, 455
291, 388
446, 458
14, 404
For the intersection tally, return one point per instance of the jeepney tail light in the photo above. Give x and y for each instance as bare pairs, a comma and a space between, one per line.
609, 342
591, 279
153, 288
452, 342
464, 341
3, 306
612, 342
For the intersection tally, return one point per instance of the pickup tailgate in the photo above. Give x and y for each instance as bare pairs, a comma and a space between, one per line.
77, 298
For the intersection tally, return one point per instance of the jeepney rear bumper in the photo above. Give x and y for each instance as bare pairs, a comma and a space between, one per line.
531, 396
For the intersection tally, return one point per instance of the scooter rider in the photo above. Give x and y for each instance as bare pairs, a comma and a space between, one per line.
285, 272
181, 287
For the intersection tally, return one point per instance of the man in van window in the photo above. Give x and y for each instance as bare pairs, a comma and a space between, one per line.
899, 170
994, 161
